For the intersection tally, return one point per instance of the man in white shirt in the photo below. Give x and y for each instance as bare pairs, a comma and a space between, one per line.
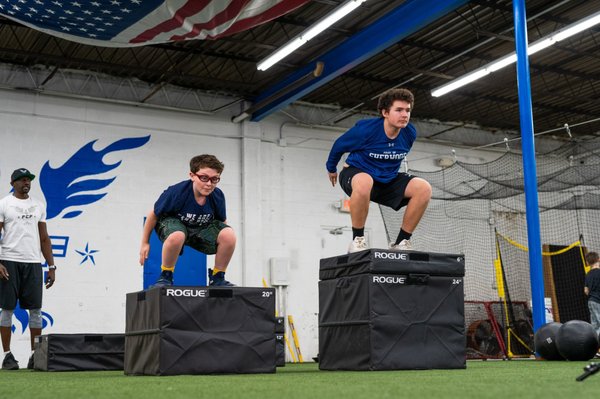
23, 242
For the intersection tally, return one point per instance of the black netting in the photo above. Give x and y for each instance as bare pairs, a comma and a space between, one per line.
471, 202
503, 178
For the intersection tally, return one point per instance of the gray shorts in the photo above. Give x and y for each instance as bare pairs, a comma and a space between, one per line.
25, 284
203, 238
389, 194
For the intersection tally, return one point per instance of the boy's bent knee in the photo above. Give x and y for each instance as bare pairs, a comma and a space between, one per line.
419, 187
176, 236
227, 235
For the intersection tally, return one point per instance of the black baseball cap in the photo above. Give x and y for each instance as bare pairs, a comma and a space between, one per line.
20, 173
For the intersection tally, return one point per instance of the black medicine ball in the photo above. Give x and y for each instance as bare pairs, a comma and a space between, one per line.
545, 341
577, 340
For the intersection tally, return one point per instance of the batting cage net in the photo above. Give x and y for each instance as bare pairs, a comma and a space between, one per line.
479, 210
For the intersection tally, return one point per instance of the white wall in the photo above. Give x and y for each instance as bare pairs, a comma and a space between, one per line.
280, 201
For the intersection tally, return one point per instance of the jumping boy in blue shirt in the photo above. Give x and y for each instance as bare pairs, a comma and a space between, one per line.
376, 149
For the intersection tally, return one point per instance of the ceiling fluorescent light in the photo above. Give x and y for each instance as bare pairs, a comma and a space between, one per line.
539, 45
584, 24
308, 34
460, 82
502, 62
280, 54
332, 18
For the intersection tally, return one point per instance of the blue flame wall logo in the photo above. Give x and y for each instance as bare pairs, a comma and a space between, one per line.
66, 186
69, 186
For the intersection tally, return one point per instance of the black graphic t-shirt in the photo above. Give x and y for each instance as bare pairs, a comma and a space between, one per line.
592, 281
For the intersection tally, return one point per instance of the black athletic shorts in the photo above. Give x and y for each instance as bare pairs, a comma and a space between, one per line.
24, 283
389, 194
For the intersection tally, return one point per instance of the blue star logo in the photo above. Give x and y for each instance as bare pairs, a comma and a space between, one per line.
88, 254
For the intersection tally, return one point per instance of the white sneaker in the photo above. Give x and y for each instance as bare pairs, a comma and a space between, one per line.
358, 244
403, 245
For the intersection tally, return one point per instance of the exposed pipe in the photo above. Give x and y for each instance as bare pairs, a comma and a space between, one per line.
116, 101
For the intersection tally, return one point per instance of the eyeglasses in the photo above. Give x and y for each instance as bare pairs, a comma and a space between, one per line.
206, 178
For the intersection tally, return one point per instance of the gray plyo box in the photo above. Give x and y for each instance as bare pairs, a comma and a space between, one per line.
200, 330
79, 352
388, 310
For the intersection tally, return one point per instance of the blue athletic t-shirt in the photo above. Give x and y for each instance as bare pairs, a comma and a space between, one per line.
178, 201
371, 150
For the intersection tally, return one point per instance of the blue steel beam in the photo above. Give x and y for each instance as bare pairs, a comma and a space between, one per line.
403, 21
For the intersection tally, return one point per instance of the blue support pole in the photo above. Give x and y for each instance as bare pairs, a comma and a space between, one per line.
529, 167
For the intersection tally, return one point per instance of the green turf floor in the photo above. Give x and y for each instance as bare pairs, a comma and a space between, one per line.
482, 379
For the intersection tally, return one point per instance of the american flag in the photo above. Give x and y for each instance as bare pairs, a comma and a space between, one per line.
124, 23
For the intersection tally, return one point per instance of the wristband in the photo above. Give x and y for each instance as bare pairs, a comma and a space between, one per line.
53, 267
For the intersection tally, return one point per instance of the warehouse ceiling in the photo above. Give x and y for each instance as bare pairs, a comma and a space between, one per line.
565, 78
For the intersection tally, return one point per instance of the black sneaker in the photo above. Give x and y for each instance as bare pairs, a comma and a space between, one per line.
9, 362
30, 362
165, 279
218, 279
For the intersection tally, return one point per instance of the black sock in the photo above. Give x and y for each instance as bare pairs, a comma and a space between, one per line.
403, 235
358, 232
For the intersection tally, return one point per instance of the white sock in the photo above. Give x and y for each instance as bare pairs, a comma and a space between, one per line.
6, 353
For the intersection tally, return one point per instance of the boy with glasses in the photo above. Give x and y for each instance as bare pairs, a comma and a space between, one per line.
192, 213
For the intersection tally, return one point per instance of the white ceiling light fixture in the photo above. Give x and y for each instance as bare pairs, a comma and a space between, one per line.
308, 34
539, 45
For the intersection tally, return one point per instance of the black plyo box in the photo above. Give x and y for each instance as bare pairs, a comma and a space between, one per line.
280, 350
280, 325
79, 352
391, 310
200, 330
280, 341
